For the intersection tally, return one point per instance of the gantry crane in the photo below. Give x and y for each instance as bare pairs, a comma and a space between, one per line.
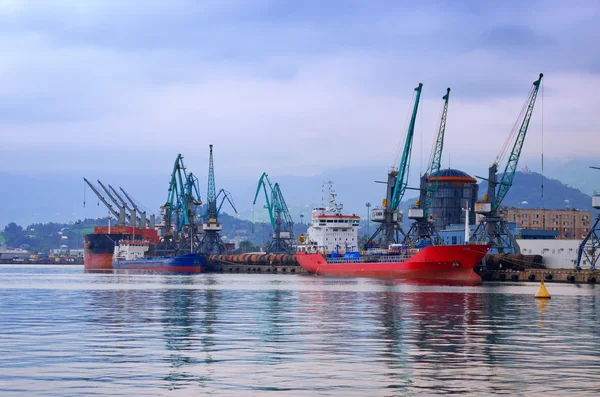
589, 249
422, 231
279, 215
491, 227
211, 242
388, 215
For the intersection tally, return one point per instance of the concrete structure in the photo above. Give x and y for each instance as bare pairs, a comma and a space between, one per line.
568, 223
455, 189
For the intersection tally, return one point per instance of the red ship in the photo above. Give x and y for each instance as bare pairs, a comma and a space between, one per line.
449, 263
100, 245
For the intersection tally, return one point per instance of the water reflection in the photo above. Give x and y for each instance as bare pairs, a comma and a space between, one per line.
245, 334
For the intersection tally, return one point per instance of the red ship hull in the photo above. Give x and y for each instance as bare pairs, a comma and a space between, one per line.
93, 261
450, 262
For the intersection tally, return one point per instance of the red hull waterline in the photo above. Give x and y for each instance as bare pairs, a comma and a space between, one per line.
448, 262
97, 261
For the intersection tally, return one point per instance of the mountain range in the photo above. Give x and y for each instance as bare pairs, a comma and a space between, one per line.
63, 197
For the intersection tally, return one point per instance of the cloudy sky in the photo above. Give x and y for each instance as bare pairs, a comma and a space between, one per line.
288, 87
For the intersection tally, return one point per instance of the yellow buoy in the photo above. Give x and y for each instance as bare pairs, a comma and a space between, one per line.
542, 292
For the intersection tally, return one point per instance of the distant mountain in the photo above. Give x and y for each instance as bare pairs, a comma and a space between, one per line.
527, 192
33, 198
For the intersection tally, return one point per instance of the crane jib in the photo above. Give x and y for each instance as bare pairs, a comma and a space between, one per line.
402, 177
511, 165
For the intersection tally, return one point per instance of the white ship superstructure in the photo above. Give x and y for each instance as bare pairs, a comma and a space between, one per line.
131, 250
331, 231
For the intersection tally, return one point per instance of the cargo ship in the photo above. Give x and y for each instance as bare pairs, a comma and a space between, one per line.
330, 249
445, 263
133, 255
99, 247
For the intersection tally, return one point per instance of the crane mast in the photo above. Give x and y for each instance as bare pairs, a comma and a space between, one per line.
589, 249
211, 242
388, 214
491, 227
436, 158
422, 230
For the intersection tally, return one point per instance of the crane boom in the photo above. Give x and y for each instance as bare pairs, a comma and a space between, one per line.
123, 202
402, 179
261, 184
436, 158
226, 196
106, 203
511, 165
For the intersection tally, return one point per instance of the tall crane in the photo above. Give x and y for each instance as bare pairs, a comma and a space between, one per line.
388, 215
589, 249
211, 242
181, 233
491, 227
279, 215
422, 231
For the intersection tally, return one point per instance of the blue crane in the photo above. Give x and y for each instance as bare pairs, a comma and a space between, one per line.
589, 249
388, 214
279, 215
422, 232
211, 242
491, 227
182, 199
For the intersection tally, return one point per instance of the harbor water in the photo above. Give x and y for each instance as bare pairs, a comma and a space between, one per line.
64, 332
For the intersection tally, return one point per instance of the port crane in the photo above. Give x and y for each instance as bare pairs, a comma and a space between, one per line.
388, 215
120, 215
181, 233
491, 227
279, 215
149, 222
211, 242
422, 231
589, 249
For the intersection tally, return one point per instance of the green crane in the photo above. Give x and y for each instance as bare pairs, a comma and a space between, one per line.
422, 231
279, 215
388, 214
179, 211
491, 227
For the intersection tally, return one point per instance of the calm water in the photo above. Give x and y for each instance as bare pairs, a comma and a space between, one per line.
64, 332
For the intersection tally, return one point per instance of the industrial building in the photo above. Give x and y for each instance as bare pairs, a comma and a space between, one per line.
568, 223
455, 190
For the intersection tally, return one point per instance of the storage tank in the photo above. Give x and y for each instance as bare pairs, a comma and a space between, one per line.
455, 188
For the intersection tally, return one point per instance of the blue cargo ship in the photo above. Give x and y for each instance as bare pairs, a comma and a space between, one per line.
190, 263
131, 255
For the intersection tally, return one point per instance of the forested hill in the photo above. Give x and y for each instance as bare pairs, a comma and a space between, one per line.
526, 192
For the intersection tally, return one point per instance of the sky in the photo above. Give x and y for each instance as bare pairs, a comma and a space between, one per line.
291, 88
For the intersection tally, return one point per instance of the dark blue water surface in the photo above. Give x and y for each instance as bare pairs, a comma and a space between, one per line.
65, 332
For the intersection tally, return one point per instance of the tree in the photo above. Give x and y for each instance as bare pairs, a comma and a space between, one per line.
246, 246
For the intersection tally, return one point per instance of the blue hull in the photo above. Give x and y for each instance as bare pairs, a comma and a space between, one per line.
190, 263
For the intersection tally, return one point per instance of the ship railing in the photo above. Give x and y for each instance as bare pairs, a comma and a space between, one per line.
377, 259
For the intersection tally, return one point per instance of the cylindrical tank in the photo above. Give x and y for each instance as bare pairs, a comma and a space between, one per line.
454, 189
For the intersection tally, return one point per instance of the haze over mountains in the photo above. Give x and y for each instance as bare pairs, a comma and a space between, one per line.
60, 196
